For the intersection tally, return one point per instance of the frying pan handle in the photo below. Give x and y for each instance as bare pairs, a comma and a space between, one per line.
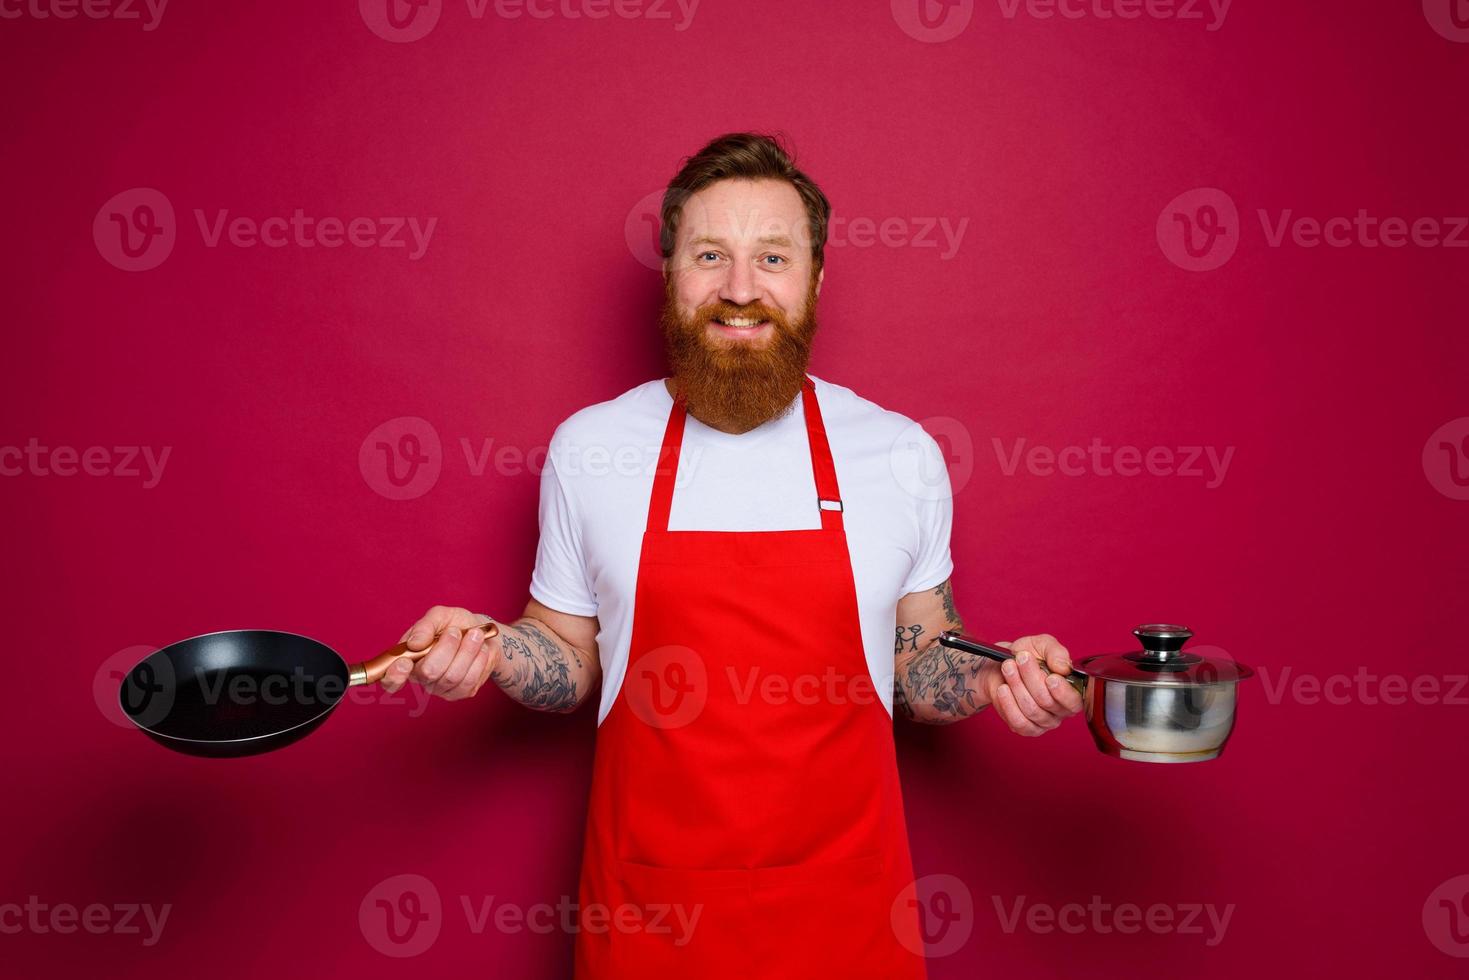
372, 671
958, 641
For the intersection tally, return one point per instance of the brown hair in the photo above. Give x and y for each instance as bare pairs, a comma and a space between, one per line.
744, 156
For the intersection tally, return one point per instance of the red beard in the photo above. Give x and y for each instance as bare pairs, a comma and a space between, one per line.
730, 384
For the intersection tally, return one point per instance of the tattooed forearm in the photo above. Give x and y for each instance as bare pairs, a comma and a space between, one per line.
537, 670
939, 686
933, 683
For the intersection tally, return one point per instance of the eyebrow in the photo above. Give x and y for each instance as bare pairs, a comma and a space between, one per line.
783, 240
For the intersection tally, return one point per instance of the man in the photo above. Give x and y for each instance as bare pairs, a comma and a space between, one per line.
737, 601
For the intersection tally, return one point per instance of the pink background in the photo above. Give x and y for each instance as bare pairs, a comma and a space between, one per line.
1333, 544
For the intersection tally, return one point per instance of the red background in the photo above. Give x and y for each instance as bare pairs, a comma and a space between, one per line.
1327, 548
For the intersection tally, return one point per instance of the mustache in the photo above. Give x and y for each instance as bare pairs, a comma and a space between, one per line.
724, 311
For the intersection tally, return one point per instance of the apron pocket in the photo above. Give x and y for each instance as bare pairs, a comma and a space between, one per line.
828, 919
680, 922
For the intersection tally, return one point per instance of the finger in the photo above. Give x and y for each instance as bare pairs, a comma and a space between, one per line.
1067, 697
1010, 713
431, 666
397, 675
1033, 676
1049, 649
436, 620
469, 686
459, 667
1028, 707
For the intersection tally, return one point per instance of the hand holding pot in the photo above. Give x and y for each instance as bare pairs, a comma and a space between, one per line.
1158, 704
460, 656
1028, 692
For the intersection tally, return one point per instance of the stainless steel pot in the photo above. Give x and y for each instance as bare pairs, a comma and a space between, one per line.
1157, 704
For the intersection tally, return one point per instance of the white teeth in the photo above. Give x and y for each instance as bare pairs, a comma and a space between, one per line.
740, 321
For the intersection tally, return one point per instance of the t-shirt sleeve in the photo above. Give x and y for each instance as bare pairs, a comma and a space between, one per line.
932, 562
560, 580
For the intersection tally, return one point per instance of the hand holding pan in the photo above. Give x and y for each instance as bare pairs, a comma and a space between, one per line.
242, 692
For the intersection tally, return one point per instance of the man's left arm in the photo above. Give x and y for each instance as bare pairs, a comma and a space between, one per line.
937, 685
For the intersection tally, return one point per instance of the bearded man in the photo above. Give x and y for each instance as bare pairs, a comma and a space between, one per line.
738, 598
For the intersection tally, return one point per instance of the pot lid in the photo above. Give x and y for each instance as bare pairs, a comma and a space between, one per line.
1163, 662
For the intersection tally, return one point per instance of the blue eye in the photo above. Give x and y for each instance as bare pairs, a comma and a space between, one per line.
704, 255
777, 258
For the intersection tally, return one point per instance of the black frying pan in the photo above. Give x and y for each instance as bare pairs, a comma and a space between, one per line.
242, 692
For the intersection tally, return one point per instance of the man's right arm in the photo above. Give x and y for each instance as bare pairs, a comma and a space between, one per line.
546, 659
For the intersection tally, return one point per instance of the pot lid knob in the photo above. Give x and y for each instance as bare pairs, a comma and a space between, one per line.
1162, 641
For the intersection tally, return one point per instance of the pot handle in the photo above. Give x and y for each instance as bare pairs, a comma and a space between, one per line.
958, 641
372, 671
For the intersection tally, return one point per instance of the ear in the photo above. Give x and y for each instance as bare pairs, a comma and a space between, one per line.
820, 276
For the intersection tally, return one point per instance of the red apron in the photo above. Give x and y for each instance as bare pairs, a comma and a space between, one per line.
745, 816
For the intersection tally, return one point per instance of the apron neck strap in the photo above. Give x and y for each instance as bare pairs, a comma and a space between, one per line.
828, 496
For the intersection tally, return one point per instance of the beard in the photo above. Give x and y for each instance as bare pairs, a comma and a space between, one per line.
732, 384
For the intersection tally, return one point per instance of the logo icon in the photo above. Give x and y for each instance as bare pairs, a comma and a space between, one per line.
400, 21
641, 231
933, 21
147, 696
402, 458
1199, 229
135, 230
1450, 18
1446, 917
667, 687
401, 916
934, 916
933, 459
1446, 459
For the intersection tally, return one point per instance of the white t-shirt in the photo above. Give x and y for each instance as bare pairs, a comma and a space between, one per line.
598, 478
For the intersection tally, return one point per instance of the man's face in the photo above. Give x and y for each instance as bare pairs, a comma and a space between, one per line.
740, 306
743, 247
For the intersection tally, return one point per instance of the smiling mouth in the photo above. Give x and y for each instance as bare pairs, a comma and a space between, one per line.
739, 322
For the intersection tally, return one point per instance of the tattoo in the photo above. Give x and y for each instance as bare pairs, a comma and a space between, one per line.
945, 680
901, 707
535, 670
907, 638
946, 593
940, 684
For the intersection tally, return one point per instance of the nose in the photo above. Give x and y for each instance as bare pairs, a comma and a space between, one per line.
739, 285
